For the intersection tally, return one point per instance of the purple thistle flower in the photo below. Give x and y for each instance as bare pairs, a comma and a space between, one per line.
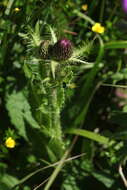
124, 5
61, 50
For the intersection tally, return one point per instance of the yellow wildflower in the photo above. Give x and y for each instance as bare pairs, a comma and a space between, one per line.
84, 7
98, 28
10, 142
16, 9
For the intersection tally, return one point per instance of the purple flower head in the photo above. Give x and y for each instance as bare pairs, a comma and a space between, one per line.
64, 43
62, 49
124, 5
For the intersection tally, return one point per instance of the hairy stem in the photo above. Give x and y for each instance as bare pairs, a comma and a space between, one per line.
55, 130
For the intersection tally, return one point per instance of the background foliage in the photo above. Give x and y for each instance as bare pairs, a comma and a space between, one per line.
95, 107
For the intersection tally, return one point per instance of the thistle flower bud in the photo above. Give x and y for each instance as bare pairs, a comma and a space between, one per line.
61, 50
44, 46
124, 5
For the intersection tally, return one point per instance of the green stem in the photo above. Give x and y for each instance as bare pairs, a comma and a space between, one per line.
102, 10
52, 120
9, 6
55, 114
54, 129
81, 15
56, 172
114, 10
60, 165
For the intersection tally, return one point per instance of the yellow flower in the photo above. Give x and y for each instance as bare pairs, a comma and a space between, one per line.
98, 28
10, 142
16, 9
84, 7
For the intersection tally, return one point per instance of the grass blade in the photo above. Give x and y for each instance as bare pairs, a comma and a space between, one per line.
116, 45
88, 134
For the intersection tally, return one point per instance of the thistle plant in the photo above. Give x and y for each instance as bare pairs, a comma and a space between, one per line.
50, 63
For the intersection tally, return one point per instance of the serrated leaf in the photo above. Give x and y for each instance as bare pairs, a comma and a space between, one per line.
27, 70
54, 38
19, 112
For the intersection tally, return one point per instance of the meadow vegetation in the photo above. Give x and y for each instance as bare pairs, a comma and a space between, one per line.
63, 94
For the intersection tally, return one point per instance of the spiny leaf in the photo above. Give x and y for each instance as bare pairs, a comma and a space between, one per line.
83, 50
19, 112
54, 38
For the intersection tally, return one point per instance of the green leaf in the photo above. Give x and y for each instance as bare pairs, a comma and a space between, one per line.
8, 181
83, 50
116, 45
89, 135
88, 90
19, 112
9, 6
27, 70
37, 28
54, 38
53, 68
70, 183
107, 180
